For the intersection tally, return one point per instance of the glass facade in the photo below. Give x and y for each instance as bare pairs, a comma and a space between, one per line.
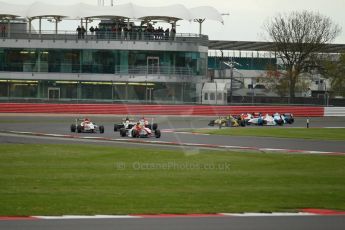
103, 61
148, 92
188, 65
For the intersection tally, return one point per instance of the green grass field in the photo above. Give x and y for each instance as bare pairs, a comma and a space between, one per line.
75, 179
300, 133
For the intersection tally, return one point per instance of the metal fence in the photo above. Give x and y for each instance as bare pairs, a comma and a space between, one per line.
141, 70
257, 100
109, 36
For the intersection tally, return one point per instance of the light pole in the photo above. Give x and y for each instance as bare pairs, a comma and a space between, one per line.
231, 64
231, 78
149, 94
253, 91
200, 21
326, 95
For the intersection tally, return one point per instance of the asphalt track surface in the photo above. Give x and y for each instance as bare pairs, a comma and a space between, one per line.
59, 124
185, 223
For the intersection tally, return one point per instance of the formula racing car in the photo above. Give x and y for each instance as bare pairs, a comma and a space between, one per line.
275, 119
139, 130
228, 121
260, 120
128, 124
288, 117
86, 126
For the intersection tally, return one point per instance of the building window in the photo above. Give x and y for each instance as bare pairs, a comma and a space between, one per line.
212, 96
206, 96
219, 96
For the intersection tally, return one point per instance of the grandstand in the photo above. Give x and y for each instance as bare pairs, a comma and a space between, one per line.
127, 59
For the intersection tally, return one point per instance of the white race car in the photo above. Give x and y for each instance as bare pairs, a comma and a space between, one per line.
262, 120
128, 124
141, 131
279, 119
86, 126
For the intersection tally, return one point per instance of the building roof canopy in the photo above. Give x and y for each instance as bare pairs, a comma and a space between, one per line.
129, 10
202, 12
10, 10
262, 46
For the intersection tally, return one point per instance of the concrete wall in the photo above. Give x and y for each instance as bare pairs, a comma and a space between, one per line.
334, 111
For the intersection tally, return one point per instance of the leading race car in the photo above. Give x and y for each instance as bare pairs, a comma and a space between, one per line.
128, 124
86, 126
140, 131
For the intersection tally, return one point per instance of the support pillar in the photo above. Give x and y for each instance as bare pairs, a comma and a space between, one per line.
8, 28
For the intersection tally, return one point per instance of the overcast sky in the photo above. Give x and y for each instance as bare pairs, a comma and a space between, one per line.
246, 19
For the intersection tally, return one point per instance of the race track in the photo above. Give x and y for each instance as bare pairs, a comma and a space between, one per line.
214, 223
60, 124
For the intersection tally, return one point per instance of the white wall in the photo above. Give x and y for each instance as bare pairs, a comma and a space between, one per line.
334, 112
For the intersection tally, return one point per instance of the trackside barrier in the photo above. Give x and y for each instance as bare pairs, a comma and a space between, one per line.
138, 109
334, 111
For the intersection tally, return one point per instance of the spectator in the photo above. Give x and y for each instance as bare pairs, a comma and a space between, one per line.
113, 32
79, 32
92, 30
83, 30
118, 32
125, 30
130, 33
167, 34
160, 33
97, 32
3, 31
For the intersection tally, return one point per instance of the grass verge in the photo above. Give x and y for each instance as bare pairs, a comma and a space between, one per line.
75, 179
300, 133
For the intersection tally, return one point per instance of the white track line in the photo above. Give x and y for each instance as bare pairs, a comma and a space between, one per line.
133, 140
246, 214
72, 217
250, 214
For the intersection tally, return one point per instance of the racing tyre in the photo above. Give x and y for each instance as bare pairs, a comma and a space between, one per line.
73, 128
116, 128
154, 126
79, 128
135, 133
101, 129
157, 133
122, 132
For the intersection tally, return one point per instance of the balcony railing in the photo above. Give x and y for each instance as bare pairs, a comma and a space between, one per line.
45, 67
109, 36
